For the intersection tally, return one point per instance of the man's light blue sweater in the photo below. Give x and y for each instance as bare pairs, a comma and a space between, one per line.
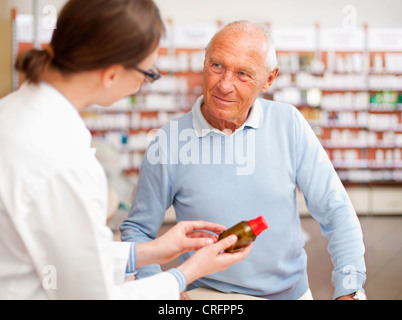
208, 175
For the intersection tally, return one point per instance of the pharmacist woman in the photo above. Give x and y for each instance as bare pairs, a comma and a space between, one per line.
54, 242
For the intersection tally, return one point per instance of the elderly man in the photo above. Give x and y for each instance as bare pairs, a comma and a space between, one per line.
235, 157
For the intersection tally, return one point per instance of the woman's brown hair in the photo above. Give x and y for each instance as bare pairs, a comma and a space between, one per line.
95, 34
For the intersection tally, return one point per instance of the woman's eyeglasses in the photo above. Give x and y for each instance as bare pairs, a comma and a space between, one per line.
151, 75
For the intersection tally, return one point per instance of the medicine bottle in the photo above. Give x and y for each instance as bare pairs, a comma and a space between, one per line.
246, 232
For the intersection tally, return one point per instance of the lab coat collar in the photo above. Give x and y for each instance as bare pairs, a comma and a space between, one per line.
58, 109
45, 92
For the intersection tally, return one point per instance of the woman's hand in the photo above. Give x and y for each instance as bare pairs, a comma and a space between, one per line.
184, 236
210, 259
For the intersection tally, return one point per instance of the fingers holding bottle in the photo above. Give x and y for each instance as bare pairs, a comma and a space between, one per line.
210, 259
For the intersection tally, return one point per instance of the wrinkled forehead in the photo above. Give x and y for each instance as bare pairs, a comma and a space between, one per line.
239, 44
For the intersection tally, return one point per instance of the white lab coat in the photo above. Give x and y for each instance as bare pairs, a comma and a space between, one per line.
54, 242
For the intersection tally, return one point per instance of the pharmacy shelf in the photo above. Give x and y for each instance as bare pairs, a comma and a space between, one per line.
368, 200
347, 84
352, 99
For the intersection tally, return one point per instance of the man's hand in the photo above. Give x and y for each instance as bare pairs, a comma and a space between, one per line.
347, 297
184, 296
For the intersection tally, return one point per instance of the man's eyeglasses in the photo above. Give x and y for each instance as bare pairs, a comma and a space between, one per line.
151, 75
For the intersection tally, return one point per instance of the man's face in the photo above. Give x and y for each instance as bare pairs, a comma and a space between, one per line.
235, 74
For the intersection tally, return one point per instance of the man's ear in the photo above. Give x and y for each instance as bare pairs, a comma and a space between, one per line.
110, 74
271, 77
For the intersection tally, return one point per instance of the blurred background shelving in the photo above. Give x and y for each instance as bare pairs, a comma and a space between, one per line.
346, 81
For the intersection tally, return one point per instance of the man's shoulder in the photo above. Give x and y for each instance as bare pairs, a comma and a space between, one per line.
276, 105
286, 114
277, 110
181, 122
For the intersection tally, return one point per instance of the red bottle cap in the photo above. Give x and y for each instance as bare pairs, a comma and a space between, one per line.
258, 225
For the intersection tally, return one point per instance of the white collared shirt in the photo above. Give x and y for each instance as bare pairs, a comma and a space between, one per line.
202, 127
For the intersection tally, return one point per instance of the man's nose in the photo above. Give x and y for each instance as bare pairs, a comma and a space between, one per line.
226, 82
